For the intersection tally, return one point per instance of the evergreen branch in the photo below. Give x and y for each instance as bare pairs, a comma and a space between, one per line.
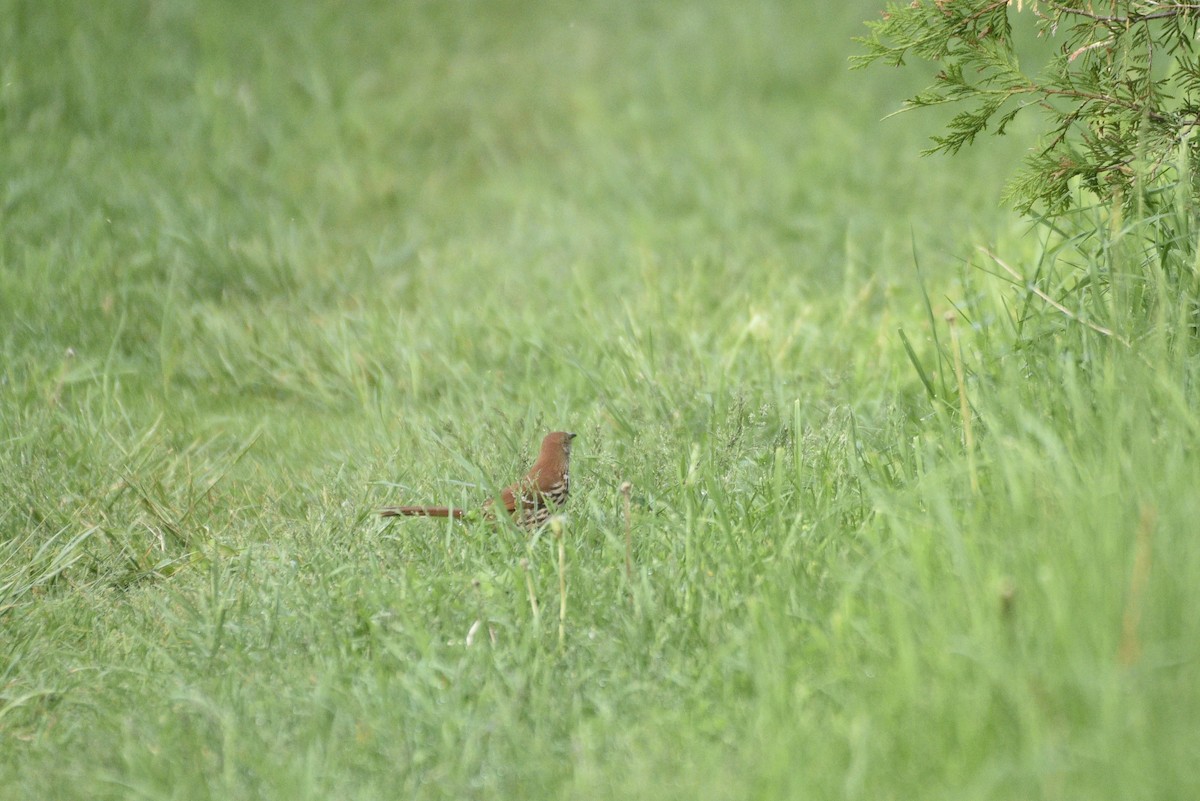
1115, 121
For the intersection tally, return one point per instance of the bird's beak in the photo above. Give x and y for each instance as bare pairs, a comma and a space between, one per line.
570, 436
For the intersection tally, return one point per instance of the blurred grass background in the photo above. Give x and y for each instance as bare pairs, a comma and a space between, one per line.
264, 267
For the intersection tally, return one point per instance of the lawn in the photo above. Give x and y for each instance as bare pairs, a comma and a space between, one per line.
265, 267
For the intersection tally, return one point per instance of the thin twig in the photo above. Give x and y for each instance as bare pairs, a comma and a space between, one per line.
1131, 105
1173, 11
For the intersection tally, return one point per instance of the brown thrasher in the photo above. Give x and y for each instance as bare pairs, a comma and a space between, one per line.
531, 500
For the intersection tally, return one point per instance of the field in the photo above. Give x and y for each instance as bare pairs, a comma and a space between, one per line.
900, 527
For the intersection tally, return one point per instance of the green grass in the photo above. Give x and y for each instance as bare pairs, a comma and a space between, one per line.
264, 267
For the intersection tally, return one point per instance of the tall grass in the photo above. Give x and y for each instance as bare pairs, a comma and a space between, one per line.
263, 269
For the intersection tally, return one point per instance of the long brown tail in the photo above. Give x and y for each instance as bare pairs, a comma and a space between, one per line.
420, 511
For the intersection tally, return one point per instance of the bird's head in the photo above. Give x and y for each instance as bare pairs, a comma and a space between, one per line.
558, 441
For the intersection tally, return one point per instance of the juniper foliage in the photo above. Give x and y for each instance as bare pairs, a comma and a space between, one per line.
1120, 89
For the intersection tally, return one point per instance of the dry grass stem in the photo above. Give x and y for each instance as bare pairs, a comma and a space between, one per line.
1130, 649
556, 526
626, 490
964, 404
533, 601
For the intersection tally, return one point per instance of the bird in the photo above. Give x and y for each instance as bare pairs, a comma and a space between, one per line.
530, 501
